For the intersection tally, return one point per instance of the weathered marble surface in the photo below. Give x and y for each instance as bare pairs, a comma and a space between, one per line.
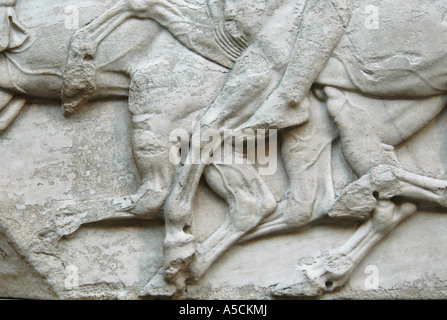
61, 235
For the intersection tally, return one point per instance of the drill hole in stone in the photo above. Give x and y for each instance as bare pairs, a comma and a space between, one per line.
187, 229
376, 194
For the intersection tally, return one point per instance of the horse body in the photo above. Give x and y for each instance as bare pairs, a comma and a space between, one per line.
402, 57
411, 66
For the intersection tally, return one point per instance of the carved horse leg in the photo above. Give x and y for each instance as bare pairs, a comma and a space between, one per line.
250, 200
180, 245
306, 153
83, 48
381, 193
369, 129
386, 182
330, 271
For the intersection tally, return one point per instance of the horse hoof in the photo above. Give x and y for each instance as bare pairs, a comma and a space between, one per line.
146, 205
315, 277
298, 285
179, 253
158, 287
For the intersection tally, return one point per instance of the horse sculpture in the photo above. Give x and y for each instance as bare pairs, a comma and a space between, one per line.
35, 68
355, 78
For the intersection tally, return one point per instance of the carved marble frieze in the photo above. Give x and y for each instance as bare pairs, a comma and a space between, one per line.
209, 149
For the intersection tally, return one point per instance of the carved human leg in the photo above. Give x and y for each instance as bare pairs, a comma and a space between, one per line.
331, 270
303, 148
310, 52
258, 68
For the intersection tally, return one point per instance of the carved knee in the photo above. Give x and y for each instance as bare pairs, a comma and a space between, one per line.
252, 210
385, 182
388, 215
